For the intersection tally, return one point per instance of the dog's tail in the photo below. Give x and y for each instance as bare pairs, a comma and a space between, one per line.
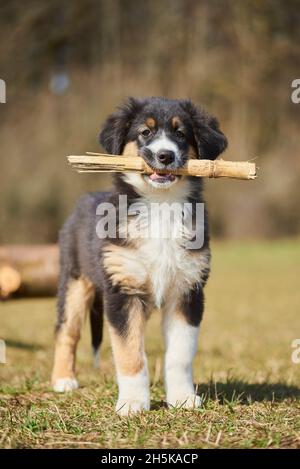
96, 321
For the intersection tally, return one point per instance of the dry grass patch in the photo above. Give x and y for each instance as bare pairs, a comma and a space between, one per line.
249, 385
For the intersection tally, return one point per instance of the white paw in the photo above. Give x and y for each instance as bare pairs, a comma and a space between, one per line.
188, 401
65, 385
130, 406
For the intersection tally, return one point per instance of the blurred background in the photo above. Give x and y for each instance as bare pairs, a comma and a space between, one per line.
68, 64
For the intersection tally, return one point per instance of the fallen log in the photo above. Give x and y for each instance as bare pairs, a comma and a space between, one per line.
10, 280
28, 270
100, 162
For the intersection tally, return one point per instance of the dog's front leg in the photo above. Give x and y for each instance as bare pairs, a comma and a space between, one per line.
126, 316
181, 330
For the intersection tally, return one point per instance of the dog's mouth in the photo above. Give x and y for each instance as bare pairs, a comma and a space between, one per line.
162, 178
159, 180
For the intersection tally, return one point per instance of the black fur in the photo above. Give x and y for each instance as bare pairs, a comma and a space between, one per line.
96, 321
210, 141
116, 127
193, 305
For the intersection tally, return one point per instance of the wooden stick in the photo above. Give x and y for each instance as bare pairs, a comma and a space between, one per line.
100, 162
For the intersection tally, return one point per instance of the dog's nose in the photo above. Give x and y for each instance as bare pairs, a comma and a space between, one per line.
165, 156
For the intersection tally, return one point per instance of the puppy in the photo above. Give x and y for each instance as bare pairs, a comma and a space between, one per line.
135, 268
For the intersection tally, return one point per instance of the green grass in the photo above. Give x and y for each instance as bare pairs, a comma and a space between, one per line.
250, 386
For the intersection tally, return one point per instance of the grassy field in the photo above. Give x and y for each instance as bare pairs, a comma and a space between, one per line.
250, 386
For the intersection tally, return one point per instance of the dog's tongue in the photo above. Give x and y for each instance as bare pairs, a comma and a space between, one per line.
161, 177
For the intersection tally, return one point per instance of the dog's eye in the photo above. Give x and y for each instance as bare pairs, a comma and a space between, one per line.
179, 134
146, 133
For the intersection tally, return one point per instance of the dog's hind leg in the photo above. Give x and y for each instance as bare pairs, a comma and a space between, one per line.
96, 322
75, 299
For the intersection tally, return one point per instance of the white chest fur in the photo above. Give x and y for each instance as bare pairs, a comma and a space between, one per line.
171, 268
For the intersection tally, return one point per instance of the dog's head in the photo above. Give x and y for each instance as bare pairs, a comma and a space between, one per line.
165, 133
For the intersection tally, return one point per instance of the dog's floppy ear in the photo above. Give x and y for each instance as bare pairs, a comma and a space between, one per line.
210, 141
114, 131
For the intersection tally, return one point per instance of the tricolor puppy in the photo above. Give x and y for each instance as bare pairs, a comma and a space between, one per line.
142, 266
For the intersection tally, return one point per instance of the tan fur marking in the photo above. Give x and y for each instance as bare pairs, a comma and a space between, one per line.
192, 153
80, 294
130, 149
129, 350
178, 314
124, 269
150, 122
176, 122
